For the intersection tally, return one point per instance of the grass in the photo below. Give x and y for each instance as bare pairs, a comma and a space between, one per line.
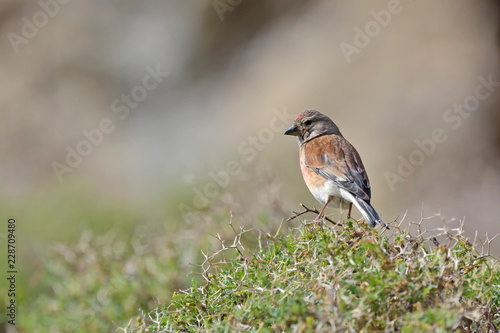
88, 261
345, 279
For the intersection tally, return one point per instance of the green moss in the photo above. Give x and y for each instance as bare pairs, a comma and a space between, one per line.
352, 279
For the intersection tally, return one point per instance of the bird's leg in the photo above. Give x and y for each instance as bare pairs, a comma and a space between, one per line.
349, 212
318, 218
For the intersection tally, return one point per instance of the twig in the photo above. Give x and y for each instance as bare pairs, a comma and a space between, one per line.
308, 210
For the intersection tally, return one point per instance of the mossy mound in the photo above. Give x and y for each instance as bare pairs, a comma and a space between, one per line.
345, 279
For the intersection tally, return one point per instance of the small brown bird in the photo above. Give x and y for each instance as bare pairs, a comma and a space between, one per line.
331, 167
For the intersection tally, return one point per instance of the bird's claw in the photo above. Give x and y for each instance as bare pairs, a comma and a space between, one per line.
314, 222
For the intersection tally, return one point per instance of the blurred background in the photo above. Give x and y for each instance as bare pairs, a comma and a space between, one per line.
154, 121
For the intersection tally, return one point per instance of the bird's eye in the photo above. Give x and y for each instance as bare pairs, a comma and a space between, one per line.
308, 122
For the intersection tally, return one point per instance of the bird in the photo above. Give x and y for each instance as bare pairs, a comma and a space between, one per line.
331, 166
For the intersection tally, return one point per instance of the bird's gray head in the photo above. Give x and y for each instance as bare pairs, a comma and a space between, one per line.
310, 124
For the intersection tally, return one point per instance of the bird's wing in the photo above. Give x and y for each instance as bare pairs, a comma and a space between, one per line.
336, 159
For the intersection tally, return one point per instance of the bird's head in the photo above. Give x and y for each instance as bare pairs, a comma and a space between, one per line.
310, 124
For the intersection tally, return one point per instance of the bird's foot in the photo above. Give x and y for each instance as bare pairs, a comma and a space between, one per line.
315, 222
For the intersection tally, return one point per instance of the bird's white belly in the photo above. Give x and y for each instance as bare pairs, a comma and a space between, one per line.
329, 189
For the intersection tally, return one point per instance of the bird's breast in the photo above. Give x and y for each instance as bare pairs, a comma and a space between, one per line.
320, 187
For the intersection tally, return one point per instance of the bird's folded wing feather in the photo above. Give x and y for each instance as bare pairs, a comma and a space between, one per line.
336, 159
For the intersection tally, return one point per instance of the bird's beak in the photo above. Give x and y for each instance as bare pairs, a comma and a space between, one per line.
293, 130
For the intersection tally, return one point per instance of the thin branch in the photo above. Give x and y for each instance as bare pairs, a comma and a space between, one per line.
308, 210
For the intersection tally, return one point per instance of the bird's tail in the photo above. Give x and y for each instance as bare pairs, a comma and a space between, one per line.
369, 213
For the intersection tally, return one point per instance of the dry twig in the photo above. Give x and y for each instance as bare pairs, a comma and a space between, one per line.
308, 210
